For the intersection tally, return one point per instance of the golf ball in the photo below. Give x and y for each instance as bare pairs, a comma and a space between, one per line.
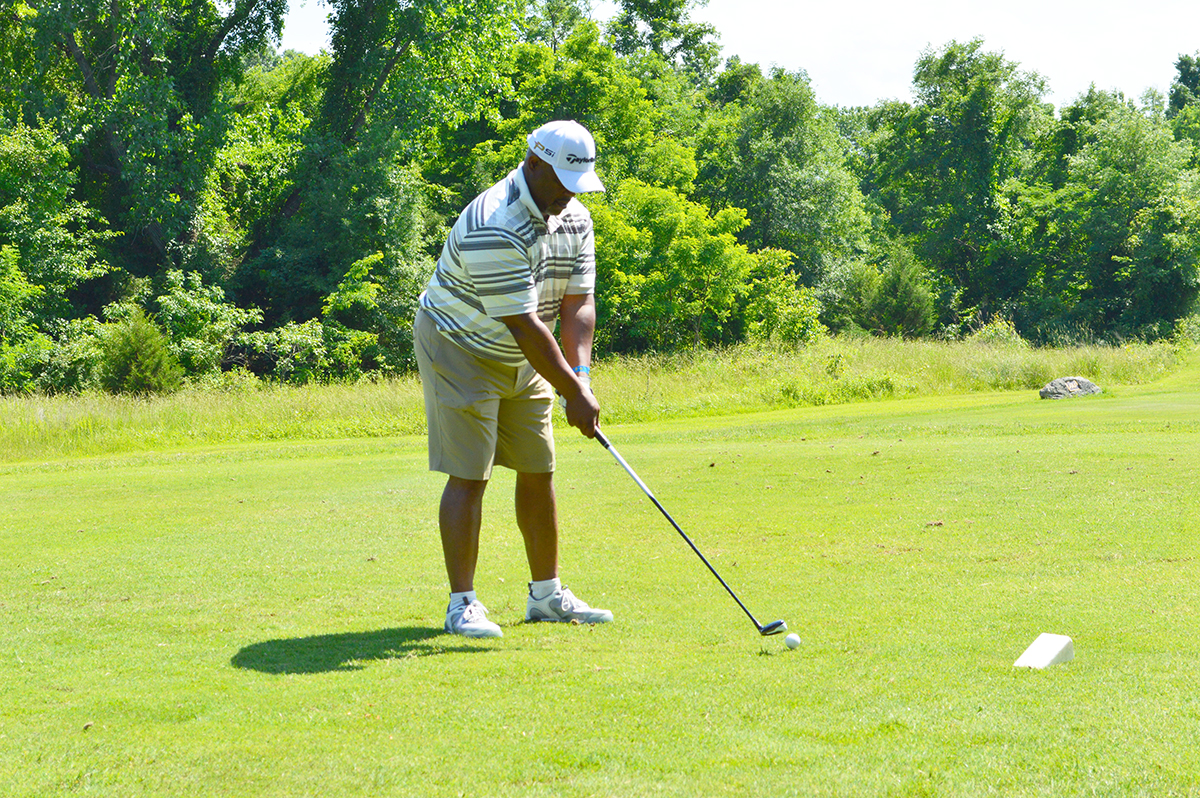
792, 640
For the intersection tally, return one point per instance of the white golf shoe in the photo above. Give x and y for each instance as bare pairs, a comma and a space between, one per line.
563, 605
470, 620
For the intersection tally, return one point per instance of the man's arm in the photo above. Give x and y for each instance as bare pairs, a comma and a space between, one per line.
541, 350
577, 328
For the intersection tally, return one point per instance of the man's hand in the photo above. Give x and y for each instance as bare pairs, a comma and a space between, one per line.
584, 412
541, 350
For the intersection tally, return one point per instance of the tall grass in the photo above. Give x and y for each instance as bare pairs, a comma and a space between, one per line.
835, 371
736, 380
94, 423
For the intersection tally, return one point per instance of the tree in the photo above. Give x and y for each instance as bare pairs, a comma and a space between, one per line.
550, 22
662, 27
139, 90
52, 235
200, 325
394, 68
893, 297
939, 165
673, 275
1138, 224
903, 303
137, 357
779, 156
676, 277
399, 65
1185, 89
584, 81
735, 82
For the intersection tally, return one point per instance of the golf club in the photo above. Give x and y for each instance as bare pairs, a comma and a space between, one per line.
773, 628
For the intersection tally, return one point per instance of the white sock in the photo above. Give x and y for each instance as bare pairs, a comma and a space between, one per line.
546, 587
457, 599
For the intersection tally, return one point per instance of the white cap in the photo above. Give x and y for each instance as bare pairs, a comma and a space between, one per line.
570, 149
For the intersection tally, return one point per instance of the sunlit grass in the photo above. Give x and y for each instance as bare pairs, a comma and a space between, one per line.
262, 618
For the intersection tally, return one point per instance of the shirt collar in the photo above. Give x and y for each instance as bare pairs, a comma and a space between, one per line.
518, 177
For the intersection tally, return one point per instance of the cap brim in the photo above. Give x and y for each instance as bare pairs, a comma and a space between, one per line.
579, 182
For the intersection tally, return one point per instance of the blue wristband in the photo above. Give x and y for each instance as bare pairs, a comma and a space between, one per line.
582, 370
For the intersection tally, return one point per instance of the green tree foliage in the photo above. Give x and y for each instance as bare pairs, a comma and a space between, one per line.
53, 235
166, 156
937, 166
775, 153
903, 304
584, 81
400, 65
778, 310
16, 297
252, 175
394, 68
200, 325
675, 276
1185, 89
1136, 208
663, 27
550, 22
1184, 107
288, 81
139, 90
893, 298
1105, 225
22, 346
377, 300
352, 207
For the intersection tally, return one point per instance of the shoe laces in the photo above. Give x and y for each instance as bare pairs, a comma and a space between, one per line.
474, 612
569, 602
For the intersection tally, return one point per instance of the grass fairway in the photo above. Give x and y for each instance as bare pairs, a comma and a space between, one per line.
264, 619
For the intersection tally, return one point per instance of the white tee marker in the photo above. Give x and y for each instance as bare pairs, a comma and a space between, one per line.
1047, 650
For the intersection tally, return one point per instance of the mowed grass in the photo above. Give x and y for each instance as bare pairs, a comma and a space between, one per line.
263, 618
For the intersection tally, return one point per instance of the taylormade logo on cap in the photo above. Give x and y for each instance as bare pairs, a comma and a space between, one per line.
569, 148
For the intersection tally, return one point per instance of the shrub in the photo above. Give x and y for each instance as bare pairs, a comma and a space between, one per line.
21, 362
22, 346
1187, 330
999, 332
237, 380
903, 302
293, 353
846, 294
138, 358
780, 310
299, 354
371, 313
201, 325
74, 363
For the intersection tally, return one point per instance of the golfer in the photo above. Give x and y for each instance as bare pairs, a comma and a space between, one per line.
519, 258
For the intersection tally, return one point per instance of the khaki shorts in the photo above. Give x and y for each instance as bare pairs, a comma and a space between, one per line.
481, 413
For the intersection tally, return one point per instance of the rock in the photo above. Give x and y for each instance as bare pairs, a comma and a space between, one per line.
1069, 386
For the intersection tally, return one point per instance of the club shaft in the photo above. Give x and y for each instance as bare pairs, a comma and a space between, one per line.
645, 489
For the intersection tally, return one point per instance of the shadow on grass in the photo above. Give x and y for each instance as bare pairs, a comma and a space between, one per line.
344, 652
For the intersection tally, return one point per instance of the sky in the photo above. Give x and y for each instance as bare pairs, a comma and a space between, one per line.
858, 52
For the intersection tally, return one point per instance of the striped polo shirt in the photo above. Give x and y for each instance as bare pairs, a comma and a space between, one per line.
502, 259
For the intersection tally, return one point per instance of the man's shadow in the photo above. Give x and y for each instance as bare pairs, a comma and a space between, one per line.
343, 652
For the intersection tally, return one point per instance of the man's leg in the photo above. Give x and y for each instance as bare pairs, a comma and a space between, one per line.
459, 517
537, 518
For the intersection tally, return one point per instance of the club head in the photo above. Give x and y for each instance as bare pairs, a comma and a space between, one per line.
773, 628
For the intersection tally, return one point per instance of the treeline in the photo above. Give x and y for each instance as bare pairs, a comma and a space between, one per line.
178, 200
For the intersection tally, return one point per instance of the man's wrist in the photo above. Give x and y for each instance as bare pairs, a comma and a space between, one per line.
582, 370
